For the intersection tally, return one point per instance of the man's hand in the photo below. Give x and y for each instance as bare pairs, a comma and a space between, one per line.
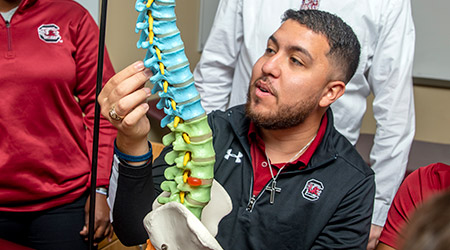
125, 95
375, 232
102, 224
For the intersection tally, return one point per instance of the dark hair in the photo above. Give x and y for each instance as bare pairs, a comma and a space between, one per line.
344, 46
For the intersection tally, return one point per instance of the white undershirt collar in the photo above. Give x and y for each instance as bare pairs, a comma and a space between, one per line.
8, 15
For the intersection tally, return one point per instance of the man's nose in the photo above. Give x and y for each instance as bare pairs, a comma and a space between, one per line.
272, 66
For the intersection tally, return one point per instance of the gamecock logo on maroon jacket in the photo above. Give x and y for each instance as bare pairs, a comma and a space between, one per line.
312, 190
49, 33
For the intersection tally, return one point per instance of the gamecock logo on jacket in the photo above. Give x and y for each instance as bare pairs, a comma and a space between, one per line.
312, 190
49, 33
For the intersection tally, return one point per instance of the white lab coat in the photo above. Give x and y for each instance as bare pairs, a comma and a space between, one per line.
386, 32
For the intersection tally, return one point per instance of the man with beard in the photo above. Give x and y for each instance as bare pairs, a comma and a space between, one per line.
293, 180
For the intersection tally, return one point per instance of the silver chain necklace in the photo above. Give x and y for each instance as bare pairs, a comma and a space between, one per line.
273, 186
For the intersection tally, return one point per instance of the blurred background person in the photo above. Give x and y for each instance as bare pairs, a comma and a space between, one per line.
418, 187
429, 228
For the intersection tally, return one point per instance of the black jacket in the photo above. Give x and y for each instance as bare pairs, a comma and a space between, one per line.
326, 205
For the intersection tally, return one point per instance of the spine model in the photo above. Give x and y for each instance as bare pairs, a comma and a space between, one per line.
189, 178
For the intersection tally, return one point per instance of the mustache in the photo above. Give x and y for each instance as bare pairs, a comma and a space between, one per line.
265, 82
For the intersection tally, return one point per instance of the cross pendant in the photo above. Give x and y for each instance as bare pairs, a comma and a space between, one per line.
273, 188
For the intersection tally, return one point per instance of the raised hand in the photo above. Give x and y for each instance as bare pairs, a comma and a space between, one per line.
122, 102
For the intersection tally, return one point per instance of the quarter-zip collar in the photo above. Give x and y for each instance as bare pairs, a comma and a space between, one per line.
23, 7
325, 152
25, 4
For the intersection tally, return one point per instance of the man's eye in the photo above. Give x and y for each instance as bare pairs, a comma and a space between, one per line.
270, 51
295, 61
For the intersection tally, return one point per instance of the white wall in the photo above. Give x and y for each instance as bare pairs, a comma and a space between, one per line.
93, 6
431, 19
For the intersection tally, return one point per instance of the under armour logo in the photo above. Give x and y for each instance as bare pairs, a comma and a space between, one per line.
238, 156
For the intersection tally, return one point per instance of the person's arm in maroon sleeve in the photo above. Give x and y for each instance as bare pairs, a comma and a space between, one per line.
86, 63
408, 196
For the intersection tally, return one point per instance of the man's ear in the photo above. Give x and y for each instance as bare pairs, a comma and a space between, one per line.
332, 91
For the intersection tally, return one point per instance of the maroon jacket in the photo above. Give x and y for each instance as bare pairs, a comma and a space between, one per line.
48, 55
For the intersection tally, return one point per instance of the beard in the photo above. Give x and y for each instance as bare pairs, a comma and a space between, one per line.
284, 116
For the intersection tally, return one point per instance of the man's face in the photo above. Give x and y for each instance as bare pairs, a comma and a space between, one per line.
289, 79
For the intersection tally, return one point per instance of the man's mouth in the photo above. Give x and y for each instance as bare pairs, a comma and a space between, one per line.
263, 86
263, 89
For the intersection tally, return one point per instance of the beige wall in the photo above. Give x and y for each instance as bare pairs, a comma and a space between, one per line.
432, 104
432, 115
121, 38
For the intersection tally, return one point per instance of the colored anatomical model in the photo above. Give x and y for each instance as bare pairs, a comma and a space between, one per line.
189, 180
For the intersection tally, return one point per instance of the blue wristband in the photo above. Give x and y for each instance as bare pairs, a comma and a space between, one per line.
132, 158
